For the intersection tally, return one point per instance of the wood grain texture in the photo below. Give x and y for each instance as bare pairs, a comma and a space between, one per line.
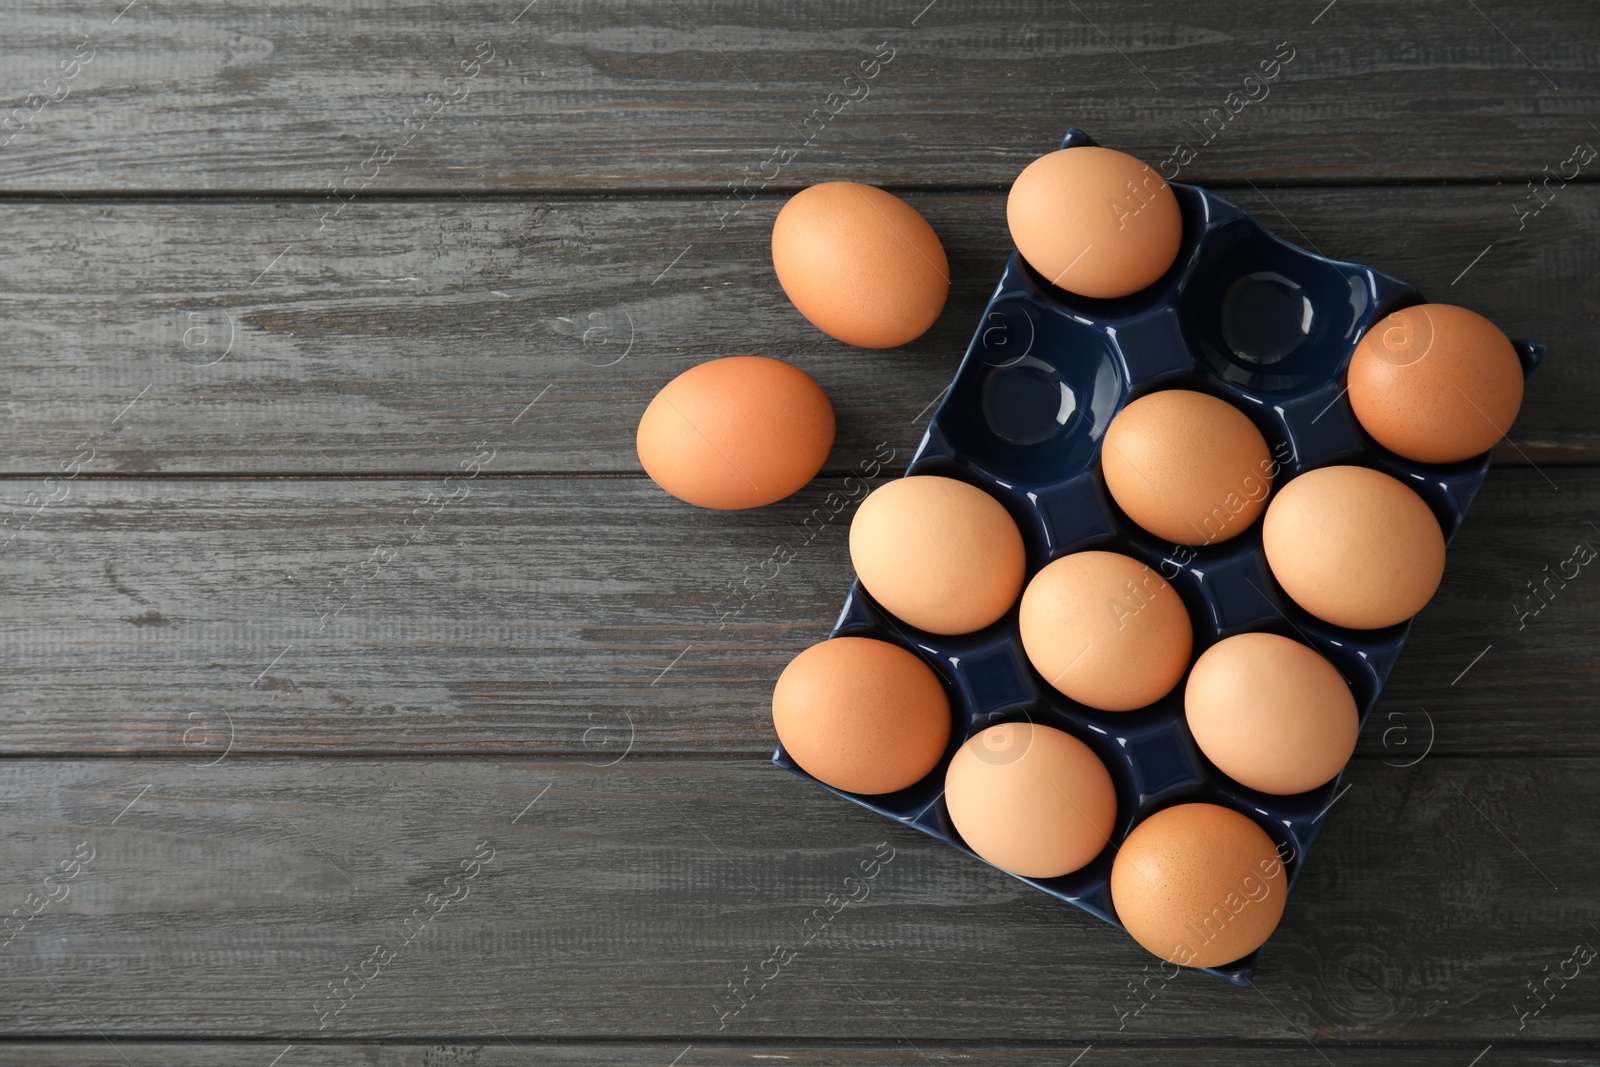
495, 1051
403, 334
299, 95
585, 615
222, 901
281, 704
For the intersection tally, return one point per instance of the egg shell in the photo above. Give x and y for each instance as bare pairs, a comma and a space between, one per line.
1435, 383
1094, 221
1271, 713
1353, 546
1105, 630
1188, 467
860, 264
938, 553
862, 715
734, 433
1030, 799
1199, 885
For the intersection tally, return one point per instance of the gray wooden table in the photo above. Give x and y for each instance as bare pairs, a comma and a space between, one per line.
273, 273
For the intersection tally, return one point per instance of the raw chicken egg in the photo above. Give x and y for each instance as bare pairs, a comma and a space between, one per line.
736, 433
1199, 885
1435, 383
1030, 799
1187, 466
861, 264
1353, 546
861, 715
1094, 221
940, 554
1105, 630
1271, 713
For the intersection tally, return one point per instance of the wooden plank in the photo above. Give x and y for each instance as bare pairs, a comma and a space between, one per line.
301, 95
585, 615
406, 333
620, 902
494, 1051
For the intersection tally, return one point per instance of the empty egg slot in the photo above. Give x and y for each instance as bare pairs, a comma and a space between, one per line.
1265, 317
1034, 407
1269, 317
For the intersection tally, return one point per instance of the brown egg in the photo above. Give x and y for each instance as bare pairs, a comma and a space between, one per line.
940, 554
736, 433
1271, 713
1105, 630
860, 264
1187, 466
1094, 222
1199, 885
1030, 799
1435, 383
1353, 546
861, 715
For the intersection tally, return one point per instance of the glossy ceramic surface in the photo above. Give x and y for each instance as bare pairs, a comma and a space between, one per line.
1245, 316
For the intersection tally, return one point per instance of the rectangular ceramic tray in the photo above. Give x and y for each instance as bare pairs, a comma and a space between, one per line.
1242, 315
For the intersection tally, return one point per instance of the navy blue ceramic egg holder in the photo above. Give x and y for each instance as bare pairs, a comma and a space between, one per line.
1244, 316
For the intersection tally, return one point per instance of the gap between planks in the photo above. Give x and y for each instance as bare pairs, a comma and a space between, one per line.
771, 192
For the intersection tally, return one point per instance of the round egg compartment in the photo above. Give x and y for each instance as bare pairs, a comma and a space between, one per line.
1032, 400
1085, 885
939, 553
1029, 219
1273, 319
1359, 670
